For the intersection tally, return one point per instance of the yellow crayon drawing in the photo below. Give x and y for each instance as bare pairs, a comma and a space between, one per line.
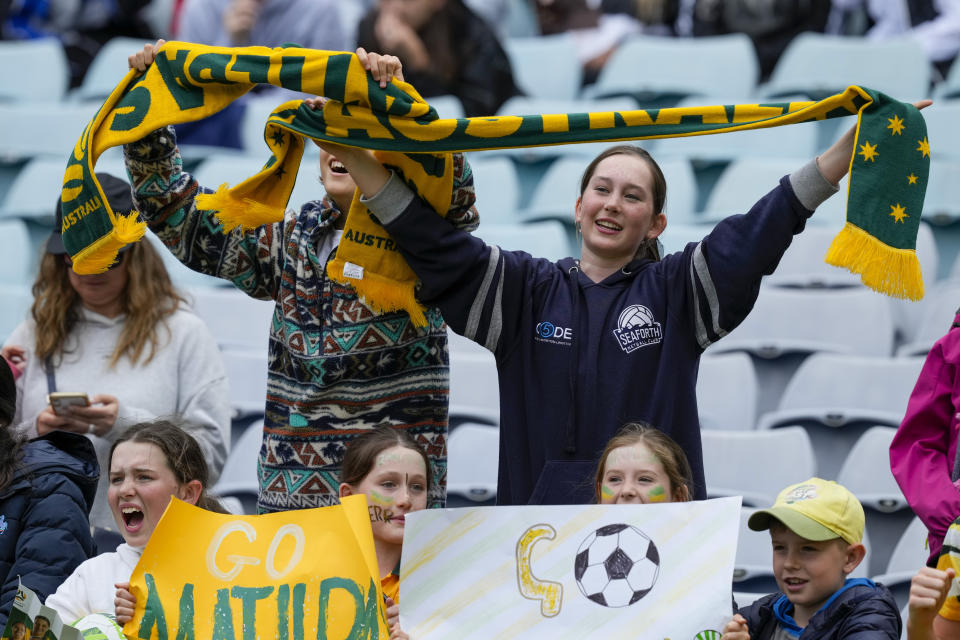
550, 594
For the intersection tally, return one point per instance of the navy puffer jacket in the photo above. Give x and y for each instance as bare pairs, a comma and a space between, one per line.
861, 610
44, 523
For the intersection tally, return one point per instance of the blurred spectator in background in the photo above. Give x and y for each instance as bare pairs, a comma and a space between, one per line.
314, 24
771, 24
123, 337
935, 24
446, 49
82, 25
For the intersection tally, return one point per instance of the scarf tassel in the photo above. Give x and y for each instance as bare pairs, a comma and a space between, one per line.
102, 254
895, 272
382, 294
233, 211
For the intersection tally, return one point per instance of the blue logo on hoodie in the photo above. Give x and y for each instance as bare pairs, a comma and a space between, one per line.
3, 524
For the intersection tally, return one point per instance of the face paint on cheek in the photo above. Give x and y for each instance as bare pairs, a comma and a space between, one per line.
606, 492
657, 494
379, 499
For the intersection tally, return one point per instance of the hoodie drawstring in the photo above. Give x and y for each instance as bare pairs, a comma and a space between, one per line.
570, 435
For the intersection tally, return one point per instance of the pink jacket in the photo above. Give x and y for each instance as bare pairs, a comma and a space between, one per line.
923, 452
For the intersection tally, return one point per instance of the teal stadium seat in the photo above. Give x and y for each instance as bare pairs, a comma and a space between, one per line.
33, 70
545, 66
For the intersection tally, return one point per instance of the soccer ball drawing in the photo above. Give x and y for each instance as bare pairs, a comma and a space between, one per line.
616, 565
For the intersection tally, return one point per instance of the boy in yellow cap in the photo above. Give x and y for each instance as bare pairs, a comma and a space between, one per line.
816, 528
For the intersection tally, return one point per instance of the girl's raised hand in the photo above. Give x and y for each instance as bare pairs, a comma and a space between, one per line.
382, 67
143, 59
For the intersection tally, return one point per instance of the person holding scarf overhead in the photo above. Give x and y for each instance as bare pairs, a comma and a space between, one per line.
585, 345
337, 368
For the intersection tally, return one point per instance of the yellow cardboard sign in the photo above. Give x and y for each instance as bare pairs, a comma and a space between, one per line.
309, 573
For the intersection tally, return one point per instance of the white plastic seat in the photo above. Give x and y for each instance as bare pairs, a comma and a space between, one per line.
820, 65
746, 180
545, 66
678, 235
942, 132
235, 319
474, 385
866, 473
838, 389
543, 239
755, 464
446, 106
33, 192
663, 66
802, 265
239, 476
909, 555
182, 276
473, 453
33, 70
753, 564
247, 372
497, 189
107, 69
17, 299
727, 392
935, 316
29, 129
941, 203
853, 321
19, 258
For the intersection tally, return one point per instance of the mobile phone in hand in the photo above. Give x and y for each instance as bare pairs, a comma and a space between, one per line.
60, 401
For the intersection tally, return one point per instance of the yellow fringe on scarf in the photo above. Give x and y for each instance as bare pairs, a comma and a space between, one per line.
881, 267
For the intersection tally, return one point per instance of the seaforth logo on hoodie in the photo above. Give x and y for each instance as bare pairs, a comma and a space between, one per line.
547, 331
638, 328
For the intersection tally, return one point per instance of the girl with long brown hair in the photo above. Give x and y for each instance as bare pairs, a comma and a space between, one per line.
126, 340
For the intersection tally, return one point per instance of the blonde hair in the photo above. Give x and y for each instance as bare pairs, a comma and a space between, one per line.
671, 456
148, 299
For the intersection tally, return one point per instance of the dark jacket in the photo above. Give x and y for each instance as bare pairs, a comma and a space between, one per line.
861, 609
44, 525
578, 359
467, 60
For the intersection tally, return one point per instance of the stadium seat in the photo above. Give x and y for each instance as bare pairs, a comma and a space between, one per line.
107, 69
29, 129
497, 189
677, 67
545, 66
678, 235
755, 464
854, 321
15, 308
936, 314
727, 392
942, 132
247, 372
753, 565
19, 258
909, 554
235, 319
837, 397
33, 70
802, 265
866, 473
446, 106
183, 277
33, 192
746, 180
474, 385
473, 452
941, 203
545, 239
239, 476
819, 65
949, 87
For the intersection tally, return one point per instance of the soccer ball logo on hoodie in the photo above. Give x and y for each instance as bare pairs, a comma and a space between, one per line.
637, 328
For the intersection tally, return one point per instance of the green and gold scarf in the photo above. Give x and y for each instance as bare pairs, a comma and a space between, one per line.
187, 82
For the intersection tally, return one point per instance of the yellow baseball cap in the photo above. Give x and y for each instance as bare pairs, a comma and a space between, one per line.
815, 509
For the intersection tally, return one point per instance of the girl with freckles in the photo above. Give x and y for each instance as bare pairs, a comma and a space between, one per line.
388, 467
642, 465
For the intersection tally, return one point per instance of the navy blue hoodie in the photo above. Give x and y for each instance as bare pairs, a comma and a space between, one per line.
578, 359
861, 609
44, 525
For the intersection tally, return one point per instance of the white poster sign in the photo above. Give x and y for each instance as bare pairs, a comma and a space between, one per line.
657, 571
